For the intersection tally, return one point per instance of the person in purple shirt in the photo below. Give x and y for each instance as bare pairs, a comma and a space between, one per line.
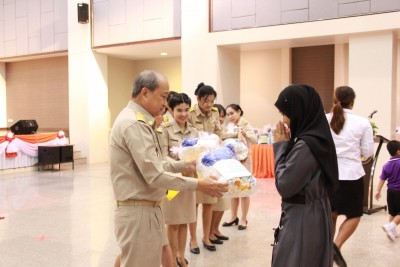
391, 173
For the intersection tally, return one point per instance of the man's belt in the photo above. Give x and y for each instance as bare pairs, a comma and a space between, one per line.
134, 202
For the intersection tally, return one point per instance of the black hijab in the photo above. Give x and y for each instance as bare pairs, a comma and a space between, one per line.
303, 106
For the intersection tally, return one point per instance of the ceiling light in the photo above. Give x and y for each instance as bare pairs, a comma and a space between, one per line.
163, 53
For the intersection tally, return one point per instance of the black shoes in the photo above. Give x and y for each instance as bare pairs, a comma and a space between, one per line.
221, 237
242, 227
210, 248
235, 221
216, 241
179, 264
195, 250
337, 257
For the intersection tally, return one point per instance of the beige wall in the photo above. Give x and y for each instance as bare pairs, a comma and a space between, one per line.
38, 90
120, 77
260, 86
121, 73
170, 67
229, 76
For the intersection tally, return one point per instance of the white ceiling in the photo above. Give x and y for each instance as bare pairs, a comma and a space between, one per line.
152, 50
145, 50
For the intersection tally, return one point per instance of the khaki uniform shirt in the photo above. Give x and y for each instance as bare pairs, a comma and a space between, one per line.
208, 123
167, 117
173, 136
136, 165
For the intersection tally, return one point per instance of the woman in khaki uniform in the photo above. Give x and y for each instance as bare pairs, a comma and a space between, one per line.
245, 132
180, 210
204, 117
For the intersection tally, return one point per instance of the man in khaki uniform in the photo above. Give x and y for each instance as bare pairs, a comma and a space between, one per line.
138, 175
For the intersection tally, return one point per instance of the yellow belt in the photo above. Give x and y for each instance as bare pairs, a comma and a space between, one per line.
134, 202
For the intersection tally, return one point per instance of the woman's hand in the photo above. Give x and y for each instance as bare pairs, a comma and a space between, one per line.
281, 133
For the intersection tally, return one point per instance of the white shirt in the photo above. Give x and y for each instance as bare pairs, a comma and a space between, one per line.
353, 141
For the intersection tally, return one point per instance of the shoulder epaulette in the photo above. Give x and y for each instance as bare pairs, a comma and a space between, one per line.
192, 108
165, 118
140, 117
166, 124
244, 122
159, 129
214, 109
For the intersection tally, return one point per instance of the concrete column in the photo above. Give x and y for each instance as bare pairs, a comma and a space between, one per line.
3, 96
372, 74
88, 92
199, 53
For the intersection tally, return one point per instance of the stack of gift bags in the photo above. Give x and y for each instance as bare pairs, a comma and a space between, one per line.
220, 159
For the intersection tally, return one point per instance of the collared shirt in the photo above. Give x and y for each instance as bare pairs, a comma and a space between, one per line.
137, 168
391, 173
205, 122
353, 141
173, 136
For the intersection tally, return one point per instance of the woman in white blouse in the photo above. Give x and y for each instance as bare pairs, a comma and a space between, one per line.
353, 139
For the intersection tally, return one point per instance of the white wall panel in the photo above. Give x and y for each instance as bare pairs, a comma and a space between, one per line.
152, 9
117, 12
46, 6
47, 32
152, 29
1, 39
22, 8
117, 33
10, 48
60, 16
34, 45
61, 41
243, 22
1, 10
222, 14
176, 18
9, 1
22, 36
100, 23
268, 12
243, 8
134, 20
9, 22
34, 18
167, 17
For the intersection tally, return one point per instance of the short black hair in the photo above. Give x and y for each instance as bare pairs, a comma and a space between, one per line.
203, 90
178, 99
393, 146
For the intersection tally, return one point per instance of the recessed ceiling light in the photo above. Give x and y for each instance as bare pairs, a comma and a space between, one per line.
163, 53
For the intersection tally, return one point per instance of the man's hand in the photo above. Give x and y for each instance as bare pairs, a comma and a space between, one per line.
190, 167
212, 187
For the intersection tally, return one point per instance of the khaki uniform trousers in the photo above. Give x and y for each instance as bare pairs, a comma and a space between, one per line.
140, 232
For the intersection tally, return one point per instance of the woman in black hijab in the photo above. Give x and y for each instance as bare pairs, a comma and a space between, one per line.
306, 172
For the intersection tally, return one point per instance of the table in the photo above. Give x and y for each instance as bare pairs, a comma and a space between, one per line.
263, 164
17, 151
55, 155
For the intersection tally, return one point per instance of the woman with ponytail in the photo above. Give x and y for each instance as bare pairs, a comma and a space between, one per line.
353, 139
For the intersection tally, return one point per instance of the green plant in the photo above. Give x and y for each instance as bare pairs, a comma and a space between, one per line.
374, 127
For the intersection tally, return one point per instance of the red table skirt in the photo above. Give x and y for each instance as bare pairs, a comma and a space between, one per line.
263, 164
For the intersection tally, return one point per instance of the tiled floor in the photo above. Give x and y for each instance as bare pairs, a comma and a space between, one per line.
65, 218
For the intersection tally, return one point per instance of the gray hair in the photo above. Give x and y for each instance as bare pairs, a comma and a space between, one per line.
147, 78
